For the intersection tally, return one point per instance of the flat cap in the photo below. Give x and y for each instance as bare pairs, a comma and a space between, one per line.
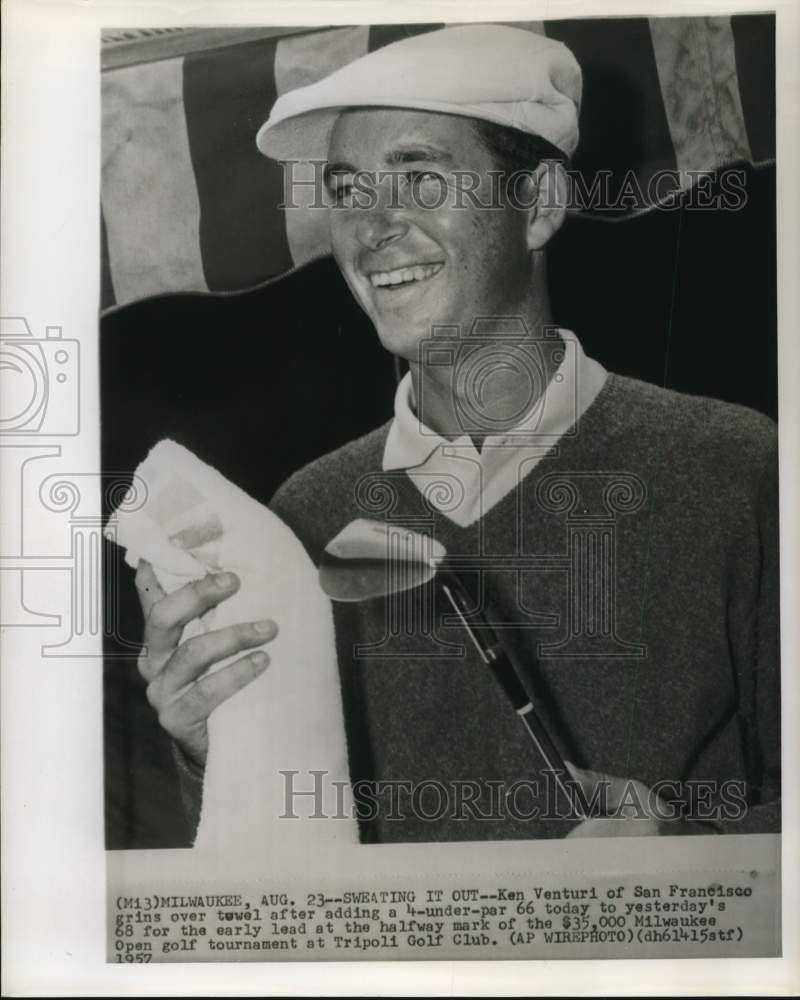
500, 74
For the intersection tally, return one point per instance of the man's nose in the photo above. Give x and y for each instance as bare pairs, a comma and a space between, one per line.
379, 226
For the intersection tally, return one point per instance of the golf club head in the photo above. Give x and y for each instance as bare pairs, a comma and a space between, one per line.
370, 559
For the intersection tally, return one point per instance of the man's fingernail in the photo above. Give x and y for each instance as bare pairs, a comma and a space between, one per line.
260, 661
224, 580
264, 628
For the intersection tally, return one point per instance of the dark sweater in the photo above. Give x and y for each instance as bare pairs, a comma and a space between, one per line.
678, 683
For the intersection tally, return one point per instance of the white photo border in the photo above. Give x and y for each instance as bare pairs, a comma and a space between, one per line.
54, 864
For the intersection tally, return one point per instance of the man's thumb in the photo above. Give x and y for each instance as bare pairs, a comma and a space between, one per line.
607, 794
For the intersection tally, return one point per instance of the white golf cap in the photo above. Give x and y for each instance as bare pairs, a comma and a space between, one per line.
509, 76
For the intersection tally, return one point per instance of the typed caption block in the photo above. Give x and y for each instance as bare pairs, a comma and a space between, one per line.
527, 915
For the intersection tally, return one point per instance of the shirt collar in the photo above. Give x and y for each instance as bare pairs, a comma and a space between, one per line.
574, 385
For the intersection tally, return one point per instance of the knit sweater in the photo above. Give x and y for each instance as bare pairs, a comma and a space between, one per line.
633, 575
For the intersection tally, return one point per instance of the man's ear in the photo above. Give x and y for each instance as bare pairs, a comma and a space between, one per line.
546, 217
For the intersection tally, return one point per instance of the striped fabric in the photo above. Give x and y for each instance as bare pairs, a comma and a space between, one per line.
188, 204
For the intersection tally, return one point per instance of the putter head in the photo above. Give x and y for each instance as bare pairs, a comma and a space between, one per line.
372, 559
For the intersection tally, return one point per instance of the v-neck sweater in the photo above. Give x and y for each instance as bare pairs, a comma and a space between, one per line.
633, 575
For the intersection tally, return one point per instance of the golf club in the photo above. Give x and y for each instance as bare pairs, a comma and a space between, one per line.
370, 559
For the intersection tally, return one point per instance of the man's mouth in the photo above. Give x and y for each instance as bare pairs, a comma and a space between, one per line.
404, 275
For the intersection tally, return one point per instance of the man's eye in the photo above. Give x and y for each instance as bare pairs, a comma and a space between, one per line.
340, 191
426, 188
424, 176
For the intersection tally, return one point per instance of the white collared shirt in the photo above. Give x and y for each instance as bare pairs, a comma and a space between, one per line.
464, 483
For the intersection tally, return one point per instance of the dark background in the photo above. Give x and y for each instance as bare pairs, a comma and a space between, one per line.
261, 382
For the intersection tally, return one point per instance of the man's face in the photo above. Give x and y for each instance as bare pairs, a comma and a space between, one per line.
413, 267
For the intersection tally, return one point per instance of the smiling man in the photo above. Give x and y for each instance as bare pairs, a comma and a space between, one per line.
622, 536
415, 268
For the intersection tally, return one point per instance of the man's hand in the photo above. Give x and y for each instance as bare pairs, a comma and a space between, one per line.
627, 808
179, 686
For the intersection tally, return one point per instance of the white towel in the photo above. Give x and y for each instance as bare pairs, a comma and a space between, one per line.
194, 521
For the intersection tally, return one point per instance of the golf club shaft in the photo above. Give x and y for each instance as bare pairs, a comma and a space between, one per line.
497, 660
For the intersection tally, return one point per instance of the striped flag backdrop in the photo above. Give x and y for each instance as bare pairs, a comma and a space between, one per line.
188, 203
